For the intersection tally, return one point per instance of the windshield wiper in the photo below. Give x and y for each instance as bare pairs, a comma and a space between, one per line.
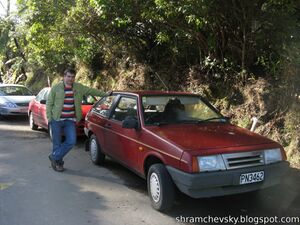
222, 119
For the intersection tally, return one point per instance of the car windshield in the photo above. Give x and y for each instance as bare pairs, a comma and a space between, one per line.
175, 109
14, 91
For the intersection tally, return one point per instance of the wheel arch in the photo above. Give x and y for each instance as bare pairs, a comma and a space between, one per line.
89, 134
149, 161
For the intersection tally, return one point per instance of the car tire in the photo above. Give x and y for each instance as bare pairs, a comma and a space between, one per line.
97, 156
32, 125
161, 188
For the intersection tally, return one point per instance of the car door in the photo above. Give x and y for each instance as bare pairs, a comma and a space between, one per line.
35, 107
98, 119
42, 109
121, 142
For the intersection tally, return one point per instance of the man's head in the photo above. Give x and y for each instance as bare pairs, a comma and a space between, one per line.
69, 77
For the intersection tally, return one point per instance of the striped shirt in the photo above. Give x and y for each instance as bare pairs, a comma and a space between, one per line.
68, 110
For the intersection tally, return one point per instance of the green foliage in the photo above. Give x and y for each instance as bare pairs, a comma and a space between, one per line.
236, 36
219, 44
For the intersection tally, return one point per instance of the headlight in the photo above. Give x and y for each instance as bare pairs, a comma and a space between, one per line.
211, 163
272, 155
11, 105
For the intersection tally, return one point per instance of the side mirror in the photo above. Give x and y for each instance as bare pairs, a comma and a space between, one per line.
43, 101
130, 123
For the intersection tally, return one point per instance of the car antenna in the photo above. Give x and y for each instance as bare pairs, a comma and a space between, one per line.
161, 80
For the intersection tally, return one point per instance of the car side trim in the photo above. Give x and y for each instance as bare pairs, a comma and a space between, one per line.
141, 143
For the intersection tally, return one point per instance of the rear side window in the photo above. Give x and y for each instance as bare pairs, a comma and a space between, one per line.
104, 105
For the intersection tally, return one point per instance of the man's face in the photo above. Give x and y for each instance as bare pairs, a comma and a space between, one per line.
69, 79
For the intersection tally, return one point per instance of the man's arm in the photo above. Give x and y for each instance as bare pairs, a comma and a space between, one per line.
92, 91
49, 105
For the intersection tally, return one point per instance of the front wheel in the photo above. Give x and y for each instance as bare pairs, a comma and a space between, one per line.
96, 154
32, 125
160, 187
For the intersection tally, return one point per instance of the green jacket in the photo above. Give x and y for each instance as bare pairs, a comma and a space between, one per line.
56, 98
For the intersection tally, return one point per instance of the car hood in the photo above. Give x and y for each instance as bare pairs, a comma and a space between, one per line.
17, 99
207, 136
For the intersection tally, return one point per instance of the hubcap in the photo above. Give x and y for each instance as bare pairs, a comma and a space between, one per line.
93, 149
154, 187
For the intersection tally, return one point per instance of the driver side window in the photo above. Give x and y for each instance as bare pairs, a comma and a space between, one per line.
104, 105
126, 107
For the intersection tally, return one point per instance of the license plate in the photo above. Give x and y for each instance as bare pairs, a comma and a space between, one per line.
248, 178
23, 110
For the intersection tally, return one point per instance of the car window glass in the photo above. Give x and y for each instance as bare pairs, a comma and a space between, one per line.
125, 107
104, 105
177, 109
14, 91
40, 95
46, 94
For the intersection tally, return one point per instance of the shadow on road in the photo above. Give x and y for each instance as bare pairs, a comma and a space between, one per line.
281, 200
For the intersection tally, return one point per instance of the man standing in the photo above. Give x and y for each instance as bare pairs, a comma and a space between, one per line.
63, 111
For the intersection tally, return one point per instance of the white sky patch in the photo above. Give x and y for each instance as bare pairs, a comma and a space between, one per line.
3, 7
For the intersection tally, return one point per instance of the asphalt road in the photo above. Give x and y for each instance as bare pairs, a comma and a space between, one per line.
31, 193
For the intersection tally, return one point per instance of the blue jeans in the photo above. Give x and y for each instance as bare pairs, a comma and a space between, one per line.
68, 128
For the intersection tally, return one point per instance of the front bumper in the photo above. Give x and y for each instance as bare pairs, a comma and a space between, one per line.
210, 184
22, 111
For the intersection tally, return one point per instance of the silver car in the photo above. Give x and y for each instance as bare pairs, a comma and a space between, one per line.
14, 99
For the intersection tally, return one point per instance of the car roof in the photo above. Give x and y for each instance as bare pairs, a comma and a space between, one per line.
154, 92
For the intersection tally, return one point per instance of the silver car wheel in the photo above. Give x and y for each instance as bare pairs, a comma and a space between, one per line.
31, 120
93, 149
32, 125
155, 187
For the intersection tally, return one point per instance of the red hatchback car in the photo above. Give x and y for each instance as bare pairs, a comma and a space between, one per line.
179, 139
37, 111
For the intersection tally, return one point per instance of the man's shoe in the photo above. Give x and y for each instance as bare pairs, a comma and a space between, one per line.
56, 165
60, 166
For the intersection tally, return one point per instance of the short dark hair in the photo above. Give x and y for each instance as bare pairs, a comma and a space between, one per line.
69, 70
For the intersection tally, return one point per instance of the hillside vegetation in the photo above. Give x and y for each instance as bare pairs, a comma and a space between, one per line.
241, 55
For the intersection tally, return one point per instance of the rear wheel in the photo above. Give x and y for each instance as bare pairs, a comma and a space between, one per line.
160, 187
32, 125
96, 154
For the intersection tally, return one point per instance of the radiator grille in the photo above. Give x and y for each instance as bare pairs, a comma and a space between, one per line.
22, 104
243, 159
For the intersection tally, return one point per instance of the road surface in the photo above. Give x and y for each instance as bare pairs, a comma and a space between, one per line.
31, 193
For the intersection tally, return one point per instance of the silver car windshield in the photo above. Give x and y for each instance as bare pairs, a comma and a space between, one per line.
160, 110
14, 91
